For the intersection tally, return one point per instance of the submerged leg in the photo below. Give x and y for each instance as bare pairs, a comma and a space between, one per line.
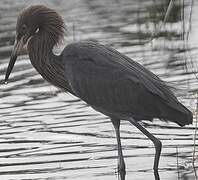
121, 163
156, 142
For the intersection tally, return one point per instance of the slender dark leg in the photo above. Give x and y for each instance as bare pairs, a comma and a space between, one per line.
156, 175
121, 163
156, 142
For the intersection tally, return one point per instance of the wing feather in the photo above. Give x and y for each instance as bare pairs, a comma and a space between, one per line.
103, 77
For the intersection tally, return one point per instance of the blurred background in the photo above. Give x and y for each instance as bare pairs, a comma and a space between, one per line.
46, 134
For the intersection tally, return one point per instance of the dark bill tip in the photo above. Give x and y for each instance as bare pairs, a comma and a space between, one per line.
10, 66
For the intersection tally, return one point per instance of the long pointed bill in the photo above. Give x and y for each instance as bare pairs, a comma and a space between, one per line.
17, 48
13, 59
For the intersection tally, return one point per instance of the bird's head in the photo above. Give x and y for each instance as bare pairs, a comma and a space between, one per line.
35, 23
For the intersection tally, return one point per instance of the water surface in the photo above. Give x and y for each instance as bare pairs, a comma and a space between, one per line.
46, 134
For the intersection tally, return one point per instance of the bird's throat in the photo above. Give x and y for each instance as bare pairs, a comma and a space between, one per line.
48, 65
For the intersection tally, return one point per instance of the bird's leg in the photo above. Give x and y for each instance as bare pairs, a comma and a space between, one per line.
121, 163
156, 142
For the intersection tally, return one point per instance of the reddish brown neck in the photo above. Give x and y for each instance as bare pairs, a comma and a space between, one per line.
50, 66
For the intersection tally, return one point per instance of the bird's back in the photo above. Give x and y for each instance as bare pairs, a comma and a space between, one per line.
115, 84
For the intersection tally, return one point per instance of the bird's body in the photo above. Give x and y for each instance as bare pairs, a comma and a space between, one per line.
119, 87
107, 80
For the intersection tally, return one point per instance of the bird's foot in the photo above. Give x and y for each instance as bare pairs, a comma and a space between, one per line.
156, 174
121, 169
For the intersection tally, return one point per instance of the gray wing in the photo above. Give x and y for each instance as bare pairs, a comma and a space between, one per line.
105, 78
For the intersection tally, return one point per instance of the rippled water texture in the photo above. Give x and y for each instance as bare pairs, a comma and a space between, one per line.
46, 134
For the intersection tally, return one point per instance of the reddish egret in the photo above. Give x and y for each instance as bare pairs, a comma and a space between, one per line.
107, 80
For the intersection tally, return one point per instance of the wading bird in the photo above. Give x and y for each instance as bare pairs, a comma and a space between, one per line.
107, 80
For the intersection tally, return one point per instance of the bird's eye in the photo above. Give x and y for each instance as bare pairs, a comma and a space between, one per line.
23, 28
22, 31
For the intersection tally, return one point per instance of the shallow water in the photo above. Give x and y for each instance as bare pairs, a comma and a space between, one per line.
46, 134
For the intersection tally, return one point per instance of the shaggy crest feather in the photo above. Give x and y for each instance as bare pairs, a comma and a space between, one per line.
44, 21
46, 29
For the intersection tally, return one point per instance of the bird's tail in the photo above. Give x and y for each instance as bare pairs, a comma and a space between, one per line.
177, 113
